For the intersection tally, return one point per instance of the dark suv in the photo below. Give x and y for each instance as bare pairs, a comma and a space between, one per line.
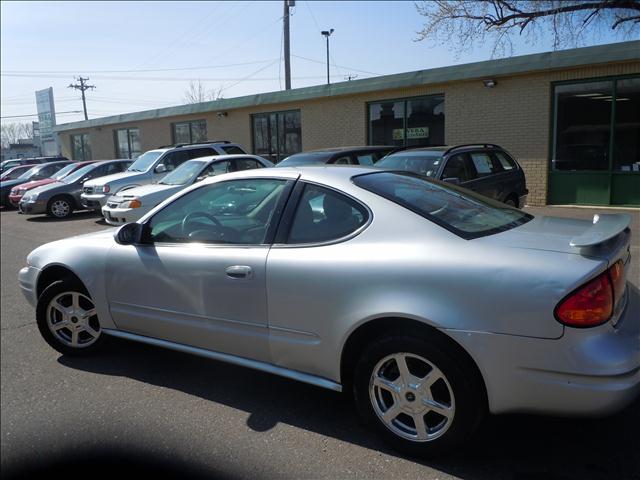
484, 168
367, 155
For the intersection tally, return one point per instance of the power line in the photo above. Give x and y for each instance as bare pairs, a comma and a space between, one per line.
334, 65
248, 77
35, 114
176, 69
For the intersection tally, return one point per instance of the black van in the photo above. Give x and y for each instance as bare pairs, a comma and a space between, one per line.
484, 168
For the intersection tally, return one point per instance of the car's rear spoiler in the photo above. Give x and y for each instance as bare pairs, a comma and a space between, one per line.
605, 227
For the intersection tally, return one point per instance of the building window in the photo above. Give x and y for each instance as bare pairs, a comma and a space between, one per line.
81, 147
127, 143
597, 126
190, 132
407, 122
276, 135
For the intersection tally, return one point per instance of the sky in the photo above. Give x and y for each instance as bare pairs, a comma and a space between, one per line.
235, 47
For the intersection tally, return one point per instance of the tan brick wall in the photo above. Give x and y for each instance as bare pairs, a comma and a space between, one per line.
515, 114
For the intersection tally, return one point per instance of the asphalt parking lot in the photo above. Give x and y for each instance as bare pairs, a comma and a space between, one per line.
144, 407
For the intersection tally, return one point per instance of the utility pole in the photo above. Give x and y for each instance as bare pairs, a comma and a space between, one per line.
287, 53
82, 87
327, 34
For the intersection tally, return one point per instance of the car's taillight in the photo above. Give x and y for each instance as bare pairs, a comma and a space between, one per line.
618, 280
589, 305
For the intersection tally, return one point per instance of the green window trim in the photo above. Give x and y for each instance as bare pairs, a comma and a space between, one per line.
610, 186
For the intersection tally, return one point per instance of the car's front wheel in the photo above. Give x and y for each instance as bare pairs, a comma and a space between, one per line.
59, 207
67, 318
417, 394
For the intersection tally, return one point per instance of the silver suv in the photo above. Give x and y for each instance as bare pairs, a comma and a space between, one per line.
150, 167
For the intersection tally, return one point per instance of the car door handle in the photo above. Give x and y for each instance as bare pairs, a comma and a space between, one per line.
239, 271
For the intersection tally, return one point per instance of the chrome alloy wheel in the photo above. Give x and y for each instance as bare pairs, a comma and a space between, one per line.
60, 208
72, 318
412, 397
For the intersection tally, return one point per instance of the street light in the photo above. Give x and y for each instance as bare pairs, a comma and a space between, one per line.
327, 34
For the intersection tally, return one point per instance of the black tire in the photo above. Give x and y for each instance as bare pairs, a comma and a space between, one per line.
469, 400
62, 288
60, 207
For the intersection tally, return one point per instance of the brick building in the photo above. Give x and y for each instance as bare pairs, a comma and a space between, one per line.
571, 118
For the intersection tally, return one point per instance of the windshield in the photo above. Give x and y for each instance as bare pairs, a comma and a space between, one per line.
144, 161
78, 174
13, 173
460, 211
183, 174
422, 162
305, 159
64, 171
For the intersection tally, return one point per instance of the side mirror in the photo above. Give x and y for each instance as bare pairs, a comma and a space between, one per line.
160, 168
200, 178
454, 180
129, 234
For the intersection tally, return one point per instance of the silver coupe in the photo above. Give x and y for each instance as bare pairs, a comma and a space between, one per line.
431, 304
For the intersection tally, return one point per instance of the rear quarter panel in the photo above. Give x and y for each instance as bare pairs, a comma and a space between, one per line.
318, 295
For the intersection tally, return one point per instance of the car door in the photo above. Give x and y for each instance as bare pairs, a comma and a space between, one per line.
170, 161
459, 169
509, 179
198, 277
305, 286
486, 182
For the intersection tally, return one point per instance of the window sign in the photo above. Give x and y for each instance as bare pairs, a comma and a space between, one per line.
416, 121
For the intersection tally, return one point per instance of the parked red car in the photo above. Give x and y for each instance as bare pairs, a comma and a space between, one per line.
14, 172
17, 192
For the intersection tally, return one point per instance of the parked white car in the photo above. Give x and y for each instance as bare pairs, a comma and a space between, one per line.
150, 167
131, 204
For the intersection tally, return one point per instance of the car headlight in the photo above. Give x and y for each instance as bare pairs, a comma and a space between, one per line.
30, 198
14, 191
133, 203
104, 189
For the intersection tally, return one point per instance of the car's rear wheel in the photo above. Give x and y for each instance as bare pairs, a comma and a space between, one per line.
60, 207
417, 395
67, 318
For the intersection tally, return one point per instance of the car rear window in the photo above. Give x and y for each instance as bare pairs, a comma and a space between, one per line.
423, 162
305, 159
460, 211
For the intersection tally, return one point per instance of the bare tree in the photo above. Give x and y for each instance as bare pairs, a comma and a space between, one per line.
197, 92
11, 132
462, 23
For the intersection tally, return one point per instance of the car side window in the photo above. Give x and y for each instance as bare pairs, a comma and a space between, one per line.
366, 159
483, 163
342, 161
200, 152
174, 159
216, 168
236, 212
458, 167
112, 168
506, 161
240, 164
323, 215
100, 171
233, 150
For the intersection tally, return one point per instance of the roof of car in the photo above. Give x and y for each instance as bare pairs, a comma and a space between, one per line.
321, 173
348, 149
